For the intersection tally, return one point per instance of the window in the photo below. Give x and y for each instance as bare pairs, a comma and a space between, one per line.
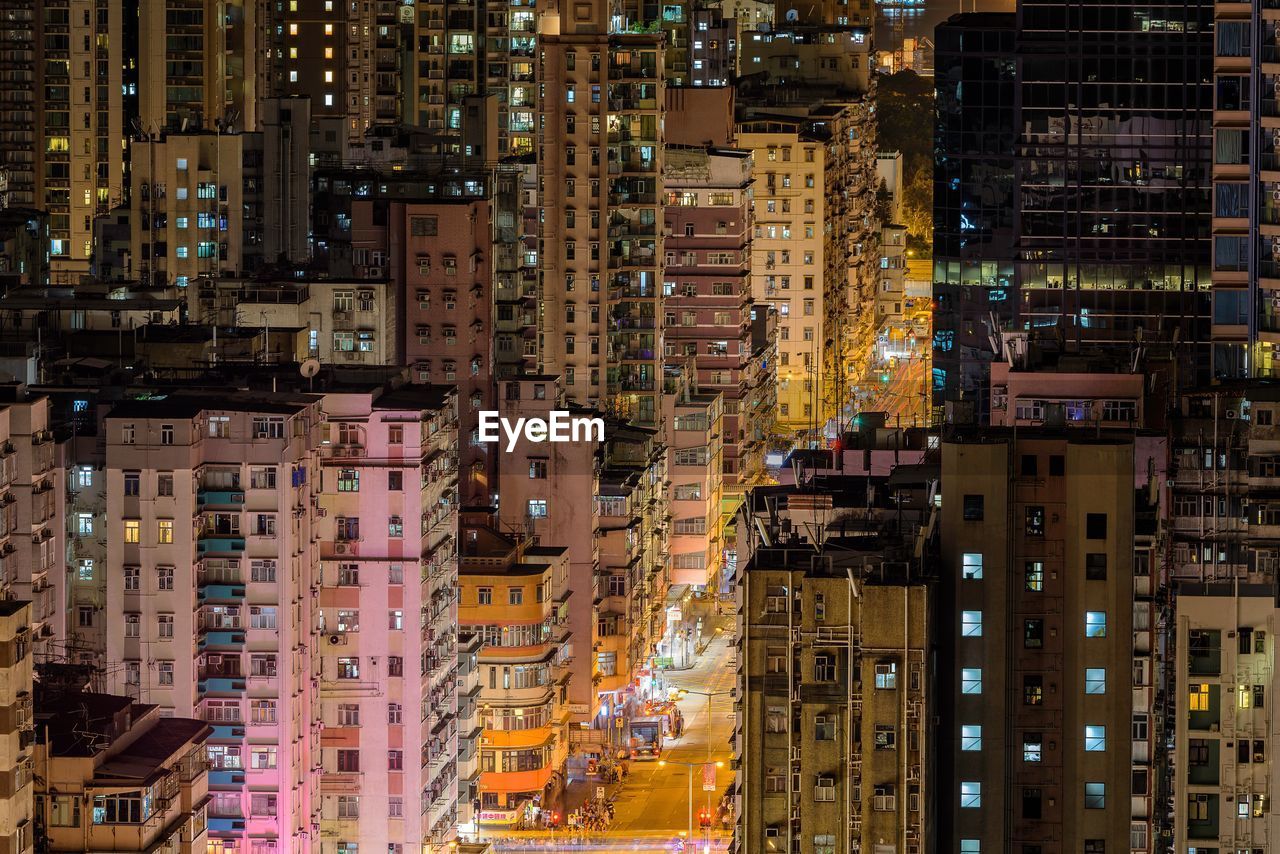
262, 617
971, 624
132, 531
348, 480
1033, 634
1032, 690
887, 675
824, 728
395, 527
1095, 566
348, 668
537, 508
1198, 700
164, 486
970, 737
1034, 518
970, 795
971, 566
970, 846
537, 469
165, 669
1095, 624
1095, 526
1095, 738
1034, 578
973, 507
164, 623
1095, 680
164, 532
886, 737
395, 620
971, 680
515, 595
1032, 747
395, 760
1095, 796
262, 571
84, 524
1031, 800
395, 665
262, 758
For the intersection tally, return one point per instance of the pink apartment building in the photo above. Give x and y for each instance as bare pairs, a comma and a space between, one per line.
209, 564
396, 703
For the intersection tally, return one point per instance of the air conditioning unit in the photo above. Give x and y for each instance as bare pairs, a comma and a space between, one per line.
772, 833
341, 548
337, 640
374, 272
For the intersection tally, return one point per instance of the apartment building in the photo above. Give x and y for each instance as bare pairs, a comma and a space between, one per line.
190, 196
397, 677
34, 557
17, 769
599, 191
1039, 727
338, 321
63, 120
547, 492
707, 283
201, 64
833, 741
693, 427
513, 597
814, 167
115, 775
633, 575
209, 555
1224, 778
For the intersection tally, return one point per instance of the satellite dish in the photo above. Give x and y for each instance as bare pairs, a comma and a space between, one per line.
309, 368
792, 16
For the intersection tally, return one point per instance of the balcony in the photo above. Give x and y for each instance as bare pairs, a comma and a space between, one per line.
220, 497
221, 639
222, 592
222, 685
218, 544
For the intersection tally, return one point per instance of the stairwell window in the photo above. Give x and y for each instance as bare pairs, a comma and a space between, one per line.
970, 795
971, 566
971, 624
1095, 624
887, 675
1095, 680
971, 680
1095, 796
970, 737
1095, 738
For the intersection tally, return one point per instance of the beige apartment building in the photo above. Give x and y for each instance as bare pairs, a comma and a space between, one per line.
1224, 778
693, 428
116, 775
834, 694
17, 768
209, 529
1039, 743
599, 197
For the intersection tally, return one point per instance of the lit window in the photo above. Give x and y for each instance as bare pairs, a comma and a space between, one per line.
293, 53
970, 846
328, 29
1199, 698
328, 53
1035, 576
1095, 624
970, 795
1095, 738
293, 29
971, 680
183, 251
164, 531
537, 508
132, 530
971, 624
182, 163
1032, 747
971, 566
1095, 680
1095, 796
293, 76
970, 737
328, 77
328, 100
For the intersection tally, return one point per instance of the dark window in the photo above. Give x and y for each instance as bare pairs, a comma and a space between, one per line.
1245, 639
1033, 634
1030, 803
1035, 521
1095, 846
973, 508
1095, 566
1057, 465
1243, 751
1028, 465
1095, 526
1139, 781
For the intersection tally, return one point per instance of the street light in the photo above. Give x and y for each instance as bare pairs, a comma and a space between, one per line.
662, 763
708, 695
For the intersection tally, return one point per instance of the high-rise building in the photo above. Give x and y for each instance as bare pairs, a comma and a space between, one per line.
510, 596
1224, 778
707, 282
1039, 671
17, 761
61, 125
973, 197
834, 698
600, 247
1112, 251
815, 237
209, 555
693, 430
396, 693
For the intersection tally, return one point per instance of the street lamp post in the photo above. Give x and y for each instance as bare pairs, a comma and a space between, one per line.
662, 763
708, 695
